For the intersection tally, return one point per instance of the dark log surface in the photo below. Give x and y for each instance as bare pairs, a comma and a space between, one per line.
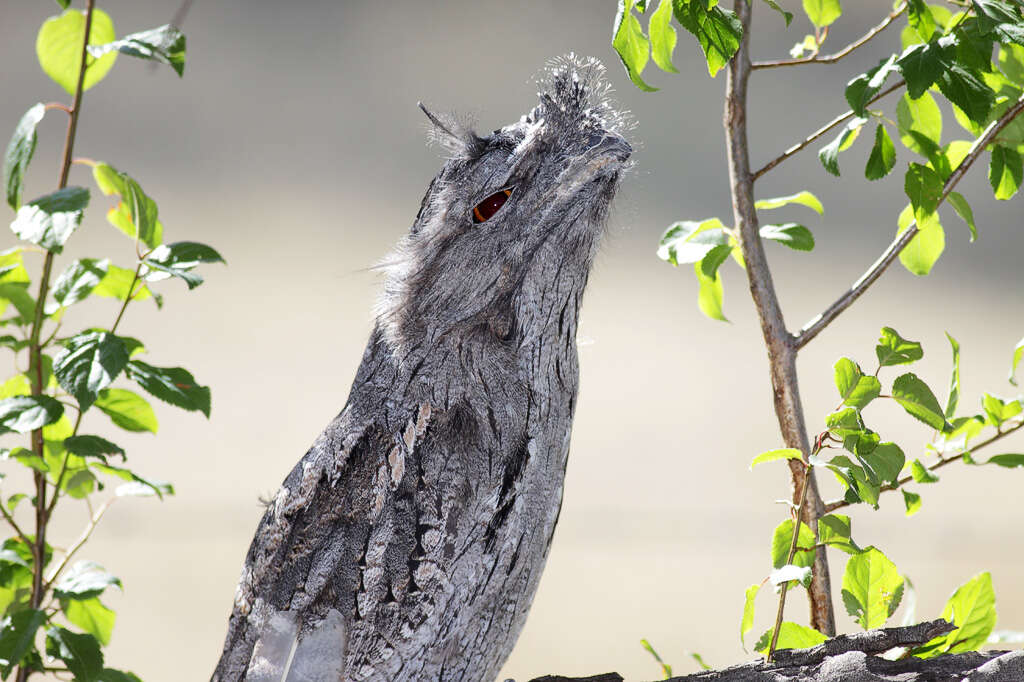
852, 658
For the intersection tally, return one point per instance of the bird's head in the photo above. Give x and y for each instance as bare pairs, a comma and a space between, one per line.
507, 231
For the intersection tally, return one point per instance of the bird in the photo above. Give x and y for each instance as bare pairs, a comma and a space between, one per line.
408, 542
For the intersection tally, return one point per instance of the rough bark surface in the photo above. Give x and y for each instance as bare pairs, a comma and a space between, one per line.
854, 658
407, 544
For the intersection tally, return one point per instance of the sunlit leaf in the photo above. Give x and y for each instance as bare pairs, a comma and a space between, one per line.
19, 153
59, 48
165, 44
872, 588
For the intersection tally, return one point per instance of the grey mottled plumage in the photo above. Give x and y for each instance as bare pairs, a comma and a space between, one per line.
407, 544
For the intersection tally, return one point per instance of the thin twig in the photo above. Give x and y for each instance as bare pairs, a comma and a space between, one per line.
789, 560
943, 461
82, 539
13, 524
127, 298
778, 341
842, 118
833, 58
814, 326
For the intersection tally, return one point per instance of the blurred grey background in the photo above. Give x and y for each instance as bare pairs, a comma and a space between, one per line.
294, 146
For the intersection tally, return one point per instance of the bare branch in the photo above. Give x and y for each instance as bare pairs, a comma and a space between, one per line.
833, 58
842, 118
814, 326
778, 340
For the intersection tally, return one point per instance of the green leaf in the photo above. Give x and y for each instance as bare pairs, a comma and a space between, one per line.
822, 12
666, 669
1009, 461
59, 48
1004, 171
80, 653
22, 300
924, 250
137, 485
923, 187
747, 622
689, 241
886, 460
178, 260
1018, 353
883, 155
92, 616
803, 198
24, 413
834, 530
92, 446
17, 637
998, 410
663, 36
793, 235
972, 608
88, 364
912, 502
78, 280
921, 115
954, 380
12, 267
709, 294
137, 214
790, 573
165, 44
855, 388
717, 30
774, 455
791, 636
921, 65
965, 89
845, 422
26, 457
49, 220
786, 16
829, 154
118, 283
631, 44
127, 409
84, 580
920, 18
861, 89
710, 263
918, 400
963, 209
19, 153
782, 538
872, 588
173, 385
921, 473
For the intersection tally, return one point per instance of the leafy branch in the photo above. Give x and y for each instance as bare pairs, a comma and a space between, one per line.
813, 327
814, 58
76, 49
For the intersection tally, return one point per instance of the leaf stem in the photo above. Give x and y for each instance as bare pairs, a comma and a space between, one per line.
82, 539
833, 58
777, 339
816, 325
789, 559
842, 118
127, 298
943, 461
35, 348
13, 524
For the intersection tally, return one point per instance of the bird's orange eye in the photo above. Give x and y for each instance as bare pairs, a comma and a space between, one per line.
483, 211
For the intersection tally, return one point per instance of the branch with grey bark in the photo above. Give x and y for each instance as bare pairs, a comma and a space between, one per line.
814, 327
856, 658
